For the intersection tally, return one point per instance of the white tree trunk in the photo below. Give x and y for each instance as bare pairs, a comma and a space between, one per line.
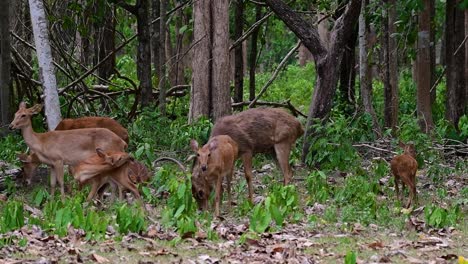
46, 68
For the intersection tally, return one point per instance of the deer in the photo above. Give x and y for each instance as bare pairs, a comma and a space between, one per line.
104, 167
404, 169
213, 163
31, 162
59, 148
261, 130
137, 172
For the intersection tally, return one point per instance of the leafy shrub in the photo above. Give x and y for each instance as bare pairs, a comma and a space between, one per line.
130, 219
440, 217
12, 216
317, 187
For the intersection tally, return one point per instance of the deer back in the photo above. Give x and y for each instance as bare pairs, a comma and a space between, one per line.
94, 122
259, 129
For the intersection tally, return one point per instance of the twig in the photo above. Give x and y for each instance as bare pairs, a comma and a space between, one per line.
250, 31
376, 148
275, 73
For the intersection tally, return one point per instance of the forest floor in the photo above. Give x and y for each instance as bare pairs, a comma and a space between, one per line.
404, 237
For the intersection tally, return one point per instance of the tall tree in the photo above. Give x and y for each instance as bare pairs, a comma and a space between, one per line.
424, 70
238, 52
365, 74
46, 68
210, 65
162, 57
253, 53
155, 11
327, 61
5, 96
105, 40
141, 11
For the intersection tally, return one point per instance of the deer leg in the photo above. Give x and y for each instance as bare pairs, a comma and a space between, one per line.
247, 161
282, 151
95, 183
58, 168
397, 188
218, 193
228, 185
53, 180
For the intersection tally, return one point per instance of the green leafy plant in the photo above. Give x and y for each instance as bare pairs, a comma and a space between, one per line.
350, 257
12, 216
130, 219
441, 217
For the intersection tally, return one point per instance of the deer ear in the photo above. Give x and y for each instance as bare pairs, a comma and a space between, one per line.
213, 145
100, 153
194, 145
23, 157
35, 109
401, 144
22, 105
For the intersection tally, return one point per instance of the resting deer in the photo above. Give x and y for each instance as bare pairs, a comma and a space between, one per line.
404, 169
261, 130
104, 167
59, 148
214, 162
31, 162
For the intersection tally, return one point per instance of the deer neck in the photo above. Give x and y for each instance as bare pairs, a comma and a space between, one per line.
30, 136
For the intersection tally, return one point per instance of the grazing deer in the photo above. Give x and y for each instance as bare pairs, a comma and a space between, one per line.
59, 148
404, 169
261, 130
137, 172
104, 167
31, 162
214, 162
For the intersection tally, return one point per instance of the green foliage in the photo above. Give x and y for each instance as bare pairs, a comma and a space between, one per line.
350, 257
281, 204
181, 208
12, 216
439, 217
317, 187
331, 145
130, 219
11, 145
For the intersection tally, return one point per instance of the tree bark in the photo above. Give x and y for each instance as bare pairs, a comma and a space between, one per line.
5, 62
162, 57
392, 66
46, 68
221, 99
326, 61
424, 70
106, 42
238, 53
348, 73
253, 54
201, 62
365, 75
155, 11
144, 51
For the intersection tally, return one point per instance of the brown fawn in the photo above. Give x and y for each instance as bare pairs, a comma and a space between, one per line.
404, 169
214, 162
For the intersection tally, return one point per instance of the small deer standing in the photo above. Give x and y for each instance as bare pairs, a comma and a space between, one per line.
214, 161
404, 169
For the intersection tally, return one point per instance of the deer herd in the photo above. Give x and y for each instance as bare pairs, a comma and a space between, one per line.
94, 150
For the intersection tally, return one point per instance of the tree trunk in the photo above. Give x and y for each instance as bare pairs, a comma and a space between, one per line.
155, 11
144, 52
326, 60
106, 43
348, 73
221, 99
253, 54
46, 68
162, 57
365, 75
424, 70
390, 67
460, 64
464, 105
5, 61
238, 53
433, 50
201, 62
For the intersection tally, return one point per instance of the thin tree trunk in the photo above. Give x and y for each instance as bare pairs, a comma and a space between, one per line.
162, 57
253, 54
348, 73
155, 11
465, 97
5, 63
106, 44
238, 53
460, 64
144, 52
201, 62
392, 120
364, 71
433, 50
221, 99
46, 68
424, 69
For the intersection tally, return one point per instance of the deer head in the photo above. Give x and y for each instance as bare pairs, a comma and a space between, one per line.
23, 115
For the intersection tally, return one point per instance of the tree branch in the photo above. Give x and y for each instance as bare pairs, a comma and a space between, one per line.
303, 30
